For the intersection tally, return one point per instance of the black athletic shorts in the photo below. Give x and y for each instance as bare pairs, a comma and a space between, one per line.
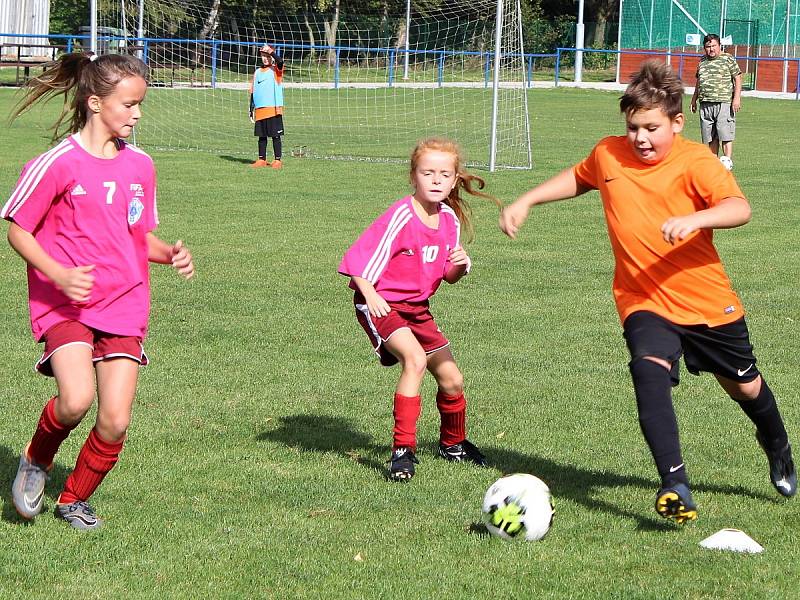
724, 350
271, 127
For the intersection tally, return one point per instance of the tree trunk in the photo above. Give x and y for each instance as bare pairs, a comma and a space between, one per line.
311, 38
330, 34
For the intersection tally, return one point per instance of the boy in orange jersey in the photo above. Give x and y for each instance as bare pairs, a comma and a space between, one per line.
663, 196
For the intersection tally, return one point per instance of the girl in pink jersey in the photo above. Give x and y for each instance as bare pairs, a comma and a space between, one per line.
82, 216
395, 266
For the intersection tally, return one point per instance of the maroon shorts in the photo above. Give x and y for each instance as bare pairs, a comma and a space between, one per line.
415, 316
104, 345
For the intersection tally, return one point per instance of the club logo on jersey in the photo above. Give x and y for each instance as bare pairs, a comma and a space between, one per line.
137, 189
135, 210
729, 309
78, 190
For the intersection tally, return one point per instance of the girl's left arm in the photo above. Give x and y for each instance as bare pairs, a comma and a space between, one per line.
460, 265
177, 255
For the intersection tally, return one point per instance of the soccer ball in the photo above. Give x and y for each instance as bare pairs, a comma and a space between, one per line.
726, 162
518, 506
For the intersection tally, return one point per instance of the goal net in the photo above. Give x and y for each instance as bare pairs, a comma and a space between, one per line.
358, 83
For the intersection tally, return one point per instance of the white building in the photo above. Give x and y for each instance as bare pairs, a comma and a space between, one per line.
24, 17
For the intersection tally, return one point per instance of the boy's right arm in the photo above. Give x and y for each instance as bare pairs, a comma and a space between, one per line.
562, 186
378, 307
75, 283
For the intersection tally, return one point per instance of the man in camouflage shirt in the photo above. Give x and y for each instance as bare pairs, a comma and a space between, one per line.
719, 89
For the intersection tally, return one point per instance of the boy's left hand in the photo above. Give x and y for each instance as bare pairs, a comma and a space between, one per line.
182, 260
676, 229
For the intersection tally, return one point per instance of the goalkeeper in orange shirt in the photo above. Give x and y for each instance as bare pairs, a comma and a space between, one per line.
663, 196
266, 106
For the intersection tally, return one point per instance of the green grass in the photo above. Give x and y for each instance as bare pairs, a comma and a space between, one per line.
255, 462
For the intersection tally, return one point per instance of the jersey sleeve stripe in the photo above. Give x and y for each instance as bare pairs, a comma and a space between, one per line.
385, 250
449, 210
32, 178
398, 214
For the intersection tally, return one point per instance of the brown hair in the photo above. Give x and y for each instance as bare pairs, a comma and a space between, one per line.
464, 180
87, 75
654, 85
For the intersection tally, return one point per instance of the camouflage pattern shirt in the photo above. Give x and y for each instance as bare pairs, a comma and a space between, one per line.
715, 78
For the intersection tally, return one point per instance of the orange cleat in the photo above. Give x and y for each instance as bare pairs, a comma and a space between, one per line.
276, 164
259, 163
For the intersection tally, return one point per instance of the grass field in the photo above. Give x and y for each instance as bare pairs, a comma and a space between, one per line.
255, 462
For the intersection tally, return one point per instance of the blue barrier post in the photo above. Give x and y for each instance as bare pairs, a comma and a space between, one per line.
213, 65
391, 67
530, 70
69, 45
145, 51
486, 70
797, 83
336, 70
558, 65
440, 74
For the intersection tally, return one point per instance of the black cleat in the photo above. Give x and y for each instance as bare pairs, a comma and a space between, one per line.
464, 451
676, 503
402, 464
781, 467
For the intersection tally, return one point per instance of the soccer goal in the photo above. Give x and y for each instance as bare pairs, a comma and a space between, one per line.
359, 84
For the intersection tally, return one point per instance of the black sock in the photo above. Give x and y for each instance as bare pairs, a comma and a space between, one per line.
262, 148
653, 387
277, 146
764, 413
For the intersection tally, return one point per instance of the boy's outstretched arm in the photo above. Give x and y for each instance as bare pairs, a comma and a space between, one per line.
562, 186
730, 212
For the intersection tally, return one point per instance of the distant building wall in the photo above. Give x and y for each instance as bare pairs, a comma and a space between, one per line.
27, 17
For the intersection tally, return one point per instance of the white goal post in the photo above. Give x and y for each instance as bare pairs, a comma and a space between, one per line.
359, 84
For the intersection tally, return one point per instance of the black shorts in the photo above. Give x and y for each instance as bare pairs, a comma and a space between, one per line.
724, 350
271, 127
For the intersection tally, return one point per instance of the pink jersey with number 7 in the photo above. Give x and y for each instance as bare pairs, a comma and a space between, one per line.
86, 210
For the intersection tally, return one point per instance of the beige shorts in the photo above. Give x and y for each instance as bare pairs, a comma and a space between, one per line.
717, 122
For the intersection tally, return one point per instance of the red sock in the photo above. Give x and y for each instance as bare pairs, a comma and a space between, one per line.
406, 412
96, 459
453, 410
48, 436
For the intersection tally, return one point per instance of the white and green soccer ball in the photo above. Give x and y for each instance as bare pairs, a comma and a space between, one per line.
518, 507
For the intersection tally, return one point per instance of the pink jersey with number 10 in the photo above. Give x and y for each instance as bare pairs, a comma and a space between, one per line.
401, 256
86, 210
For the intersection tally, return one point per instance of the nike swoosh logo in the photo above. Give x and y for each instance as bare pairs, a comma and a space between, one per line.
673, 469
33, 502
610, 179
741, 372
784, 484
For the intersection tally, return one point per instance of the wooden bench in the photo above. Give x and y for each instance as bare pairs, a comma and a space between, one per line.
23, 62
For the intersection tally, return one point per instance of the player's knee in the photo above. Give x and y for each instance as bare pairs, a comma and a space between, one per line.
744, 391
113, 429
73, 404
415, 363
451, 384
649, 369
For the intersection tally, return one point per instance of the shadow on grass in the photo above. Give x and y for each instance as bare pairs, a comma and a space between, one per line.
327, 434
583, 486
236, 159
9, 461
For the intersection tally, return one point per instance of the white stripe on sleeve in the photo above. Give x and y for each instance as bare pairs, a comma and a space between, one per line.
33, 177
381, 256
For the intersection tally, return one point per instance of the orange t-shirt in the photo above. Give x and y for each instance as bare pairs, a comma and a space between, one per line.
684, 283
